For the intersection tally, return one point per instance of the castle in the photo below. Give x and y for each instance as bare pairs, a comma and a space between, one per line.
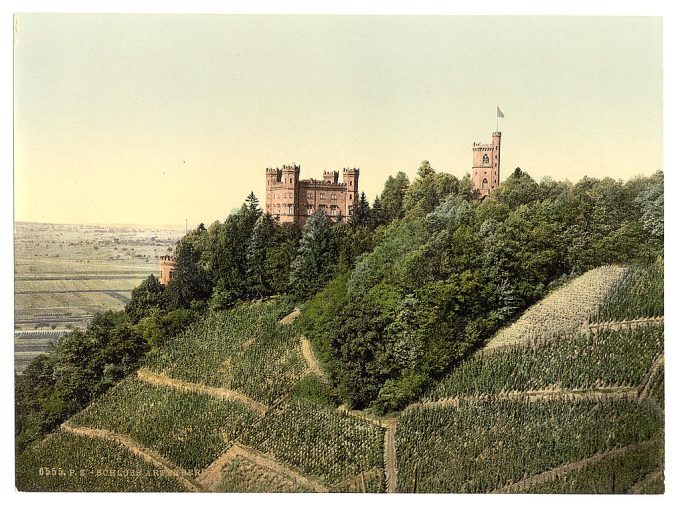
292, 201
486, 166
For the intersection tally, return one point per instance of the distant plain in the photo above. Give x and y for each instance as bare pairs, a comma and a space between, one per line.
63, 274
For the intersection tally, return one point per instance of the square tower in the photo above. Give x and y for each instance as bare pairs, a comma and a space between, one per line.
486, 165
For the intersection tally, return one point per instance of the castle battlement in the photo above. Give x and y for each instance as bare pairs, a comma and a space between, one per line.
168, 263
291, 200
486, 165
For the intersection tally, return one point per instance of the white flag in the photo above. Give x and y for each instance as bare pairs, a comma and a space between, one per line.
499, 113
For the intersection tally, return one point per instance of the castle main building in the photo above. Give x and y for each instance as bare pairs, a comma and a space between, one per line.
292, 201
486, 165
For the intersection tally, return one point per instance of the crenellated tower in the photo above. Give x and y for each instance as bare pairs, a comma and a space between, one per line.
486, 165
168, 263
292, 201
350, 177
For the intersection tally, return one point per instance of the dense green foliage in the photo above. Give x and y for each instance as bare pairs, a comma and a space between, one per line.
604, 359
392, 301
189, 429
321, 442
613, 475
443, 278
482, 446
638, 295
66, 462
243, 349
81, 366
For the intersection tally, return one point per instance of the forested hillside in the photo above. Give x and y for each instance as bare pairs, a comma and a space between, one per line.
392, 302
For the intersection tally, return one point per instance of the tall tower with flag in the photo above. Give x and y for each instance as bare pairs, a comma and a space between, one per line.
486, 162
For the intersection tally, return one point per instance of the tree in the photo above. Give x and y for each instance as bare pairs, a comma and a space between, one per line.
256, 257
316, 257
425, 169
378, 216
252, 203
146, 296
392, 197
359, 216
190, 281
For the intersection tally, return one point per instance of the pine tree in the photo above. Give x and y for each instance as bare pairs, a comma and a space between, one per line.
378, 216
253, 203
315, 261
256, 256
360, 214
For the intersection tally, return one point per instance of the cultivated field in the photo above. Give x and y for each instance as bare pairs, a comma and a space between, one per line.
63, 274
579, 411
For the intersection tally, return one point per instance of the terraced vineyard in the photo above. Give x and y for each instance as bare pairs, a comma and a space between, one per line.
245, 350
237, 404
67, 462
325, 443
188, 429
482, 446
638, 294
562, 311
608, 359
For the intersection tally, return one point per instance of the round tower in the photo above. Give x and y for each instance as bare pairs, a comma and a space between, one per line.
168, 263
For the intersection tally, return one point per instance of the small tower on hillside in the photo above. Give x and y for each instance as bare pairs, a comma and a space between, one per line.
168, 263
486, 165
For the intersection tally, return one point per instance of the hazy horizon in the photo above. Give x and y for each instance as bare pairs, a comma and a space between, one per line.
151, 119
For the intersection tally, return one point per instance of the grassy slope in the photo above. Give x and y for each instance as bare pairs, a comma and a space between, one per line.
473, 448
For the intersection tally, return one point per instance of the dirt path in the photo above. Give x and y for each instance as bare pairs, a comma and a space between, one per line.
212, 475
391, 456
382, 422
624, 324
311, 361
609, 393
652, 374
651, 476
555, 473
290, 318
151, 457
217, 392
359, 481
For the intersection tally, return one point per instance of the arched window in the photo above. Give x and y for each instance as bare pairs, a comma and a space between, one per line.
485, 184
485, 160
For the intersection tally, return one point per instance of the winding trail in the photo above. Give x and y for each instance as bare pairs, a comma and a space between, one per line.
210, 478
310, 359
391, 456
290, 318
653, 373
556, 473
151, 457
651, 476
605, 393
624, 324
217, 392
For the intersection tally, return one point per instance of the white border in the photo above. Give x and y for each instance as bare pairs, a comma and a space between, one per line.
497, 7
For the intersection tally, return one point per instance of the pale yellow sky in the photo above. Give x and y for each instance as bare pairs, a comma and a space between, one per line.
156, 118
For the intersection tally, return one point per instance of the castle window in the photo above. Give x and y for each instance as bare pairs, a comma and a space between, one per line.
485, 160
485, 184
334, 197
322, 196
